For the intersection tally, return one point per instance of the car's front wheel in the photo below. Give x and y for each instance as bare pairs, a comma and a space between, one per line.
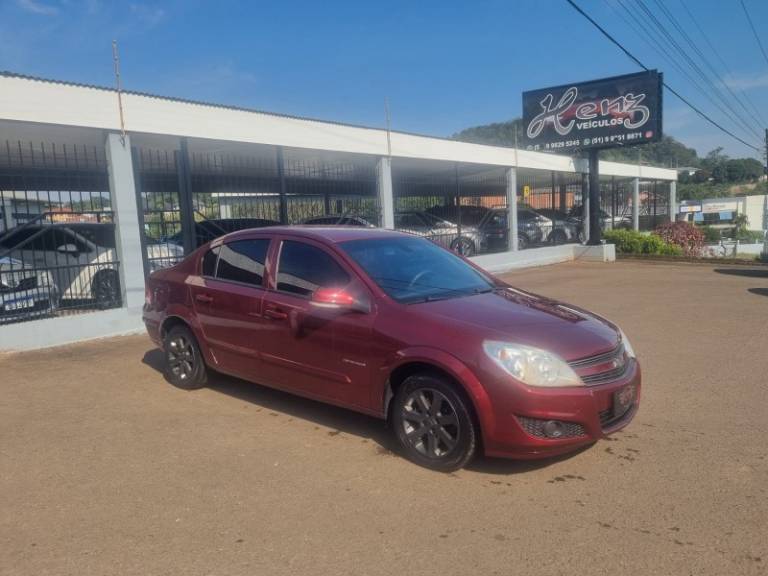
558, 237
463, 246
184, 364
433, 423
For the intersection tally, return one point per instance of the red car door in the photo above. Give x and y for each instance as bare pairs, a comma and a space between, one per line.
315, 351
228, 304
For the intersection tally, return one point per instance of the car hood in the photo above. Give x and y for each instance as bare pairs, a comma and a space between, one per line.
524, 318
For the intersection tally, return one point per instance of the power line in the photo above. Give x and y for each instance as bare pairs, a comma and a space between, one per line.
671, 17
663, 47
732, 115
667, 86
722, 61
751, 25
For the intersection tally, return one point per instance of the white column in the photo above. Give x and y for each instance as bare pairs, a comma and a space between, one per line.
636, 204
512, 207
386, 196
128, 235
673, 201
585, 205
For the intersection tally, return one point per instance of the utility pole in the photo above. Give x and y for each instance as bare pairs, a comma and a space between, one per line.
765, 204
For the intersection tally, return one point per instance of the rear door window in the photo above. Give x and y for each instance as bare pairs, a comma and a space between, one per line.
304, 268
209, 262
243, 261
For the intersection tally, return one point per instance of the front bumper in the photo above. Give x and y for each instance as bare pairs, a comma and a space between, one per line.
23, 305
580, 406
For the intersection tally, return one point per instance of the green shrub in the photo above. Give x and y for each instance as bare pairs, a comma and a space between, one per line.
749, 236
631, 242
711, 235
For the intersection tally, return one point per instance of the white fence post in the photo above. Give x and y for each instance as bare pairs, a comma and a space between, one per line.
386, 196
672, 201
636, 204
127, 234
512, 207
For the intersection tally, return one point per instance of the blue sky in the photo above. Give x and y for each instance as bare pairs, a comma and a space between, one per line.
443, 65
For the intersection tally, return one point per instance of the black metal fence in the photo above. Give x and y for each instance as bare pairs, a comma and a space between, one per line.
190, 197
57, 236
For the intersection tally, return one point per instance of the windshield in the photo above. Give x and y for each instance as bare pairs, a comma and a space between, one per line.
413, 270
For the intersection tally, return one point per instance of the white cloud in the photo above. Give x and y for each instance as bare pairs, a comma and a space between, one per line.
747, 81
37, 7
149, 16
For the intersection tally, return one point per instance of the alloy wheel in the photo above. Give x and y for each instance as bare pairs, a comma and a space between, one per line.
181, 358
430, 423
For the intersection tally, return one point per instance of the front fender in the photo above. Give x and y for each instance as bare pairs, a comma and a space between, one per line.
449, 364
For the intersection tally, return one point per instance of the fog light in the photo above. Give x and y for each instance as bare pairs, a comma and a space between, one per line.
551, 429
554, 429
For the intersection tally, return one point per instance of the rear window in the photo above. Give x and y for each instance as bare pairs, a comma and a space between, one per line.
209, 262
242, 261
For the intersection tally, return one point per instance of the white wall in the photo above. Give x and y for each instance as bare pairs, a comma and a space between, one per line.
27, 100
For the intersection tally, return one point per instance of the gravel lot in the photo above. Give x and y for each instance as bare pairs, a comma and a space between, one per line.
107, 469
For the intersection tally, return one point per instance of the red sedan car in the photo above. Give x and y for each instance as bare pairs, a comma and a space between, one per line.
394, 326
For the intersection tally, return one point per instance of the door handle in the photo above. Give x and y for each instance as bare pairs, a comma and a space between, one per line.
204, 298
275, 314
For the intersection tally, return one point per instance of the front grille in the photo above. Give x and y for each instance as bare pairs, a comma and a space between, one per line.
535, 427
616, 362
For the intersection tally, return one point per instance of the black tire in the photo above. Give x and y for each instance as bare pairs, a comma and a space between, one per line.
558, 237
463, 246
522, 242
442, 438
184, 364
106, 289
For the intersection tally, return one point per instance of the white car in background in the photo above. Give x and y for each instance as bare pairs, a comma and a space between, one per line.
80, 258
25, 293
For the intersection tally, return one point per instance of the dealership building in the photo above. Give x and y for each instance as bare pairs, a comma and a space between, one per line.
174, 167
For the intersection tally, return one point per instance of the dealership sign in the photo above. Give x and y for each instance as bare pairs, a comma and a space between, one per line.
618, 111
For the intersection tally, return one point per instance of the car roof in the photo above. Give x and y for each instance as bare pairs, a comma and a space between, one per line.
329, 234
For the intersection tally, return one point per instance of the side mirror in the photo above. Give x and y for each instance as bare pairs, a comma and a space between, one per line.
338, 299
333, 298
67, 249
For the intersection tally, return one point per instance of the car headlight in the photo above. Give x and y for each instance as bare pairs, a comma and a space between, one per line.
531, 365
627, 346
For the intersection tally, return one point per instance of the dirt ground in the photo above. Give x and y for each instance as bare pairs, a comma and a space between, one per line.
107, 469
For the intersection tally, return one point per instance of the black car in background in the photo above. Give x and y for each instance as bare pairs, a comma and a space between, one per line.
209, 229
338, 220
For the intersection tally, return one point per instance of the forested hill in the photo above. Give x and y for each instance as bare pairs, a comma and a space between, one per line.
717, 175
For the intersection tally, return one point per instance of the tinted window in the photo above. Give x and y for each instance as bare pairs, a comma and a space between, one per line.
16, 236
303, 269
103, 236
243, 261
322, 220
415, 270
409, 221
209, 262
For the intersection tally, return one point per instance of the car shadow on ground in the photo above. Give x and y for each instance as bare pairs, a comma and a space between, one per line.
339, 420
758, 291
746, 272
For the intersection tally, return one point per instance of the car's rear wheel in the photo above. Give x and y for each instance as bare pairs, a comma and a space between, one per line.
184, 364
106, 289
522, 242
433, 423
